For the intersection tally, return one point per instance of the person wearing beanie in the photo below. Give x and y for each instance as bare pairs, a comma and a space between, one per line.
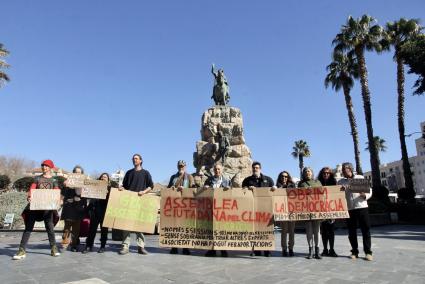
44, 181
359, 213
180, 181
73, 211
312, 227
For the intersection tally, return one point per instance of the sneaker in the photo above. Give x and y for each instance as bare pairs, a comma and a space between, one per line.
54, 251
186, 251
101, 250
174, 251
224, 253
74, 249
369, 257
21, 254
124, 250
354, 256
332, 253
141, 250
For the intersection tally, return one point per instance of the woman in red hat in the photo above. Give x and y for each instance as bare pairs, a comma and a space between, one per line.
44, 181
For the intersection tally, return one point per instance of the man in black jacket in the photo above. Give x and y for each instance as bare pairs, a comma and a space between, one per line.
257, 179
140, 181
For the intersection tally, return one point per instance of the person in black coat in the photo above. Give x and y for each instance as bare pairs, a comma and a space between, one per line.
97, 210
74, 207
257, 179
327, 227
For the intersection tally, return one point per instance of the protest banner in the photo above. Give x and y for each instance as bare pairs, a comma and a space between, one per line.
217, 219
45, 199
75, 180
264, 222
358, 185
97, 189
178, 226
315, 203
128, 211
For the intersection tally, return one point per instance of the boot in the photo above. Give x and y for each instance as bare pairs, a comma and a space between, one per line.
54, 251
291, 252
310, 253
317, 253
325, 252
332, 253
21, 254
284, 252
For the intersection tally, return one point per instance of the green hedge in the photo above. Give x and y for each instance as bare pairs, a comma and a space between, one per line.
12, 202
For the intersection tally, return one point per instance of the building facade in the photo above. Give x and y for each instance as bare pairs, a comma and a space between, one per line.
392, 173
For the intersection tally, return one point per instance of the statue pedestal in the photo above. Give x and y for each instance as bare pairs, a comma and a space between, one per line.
225, 121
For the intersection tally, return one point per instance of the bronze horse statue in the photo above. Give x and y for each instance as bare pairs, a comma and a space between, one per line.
220, 95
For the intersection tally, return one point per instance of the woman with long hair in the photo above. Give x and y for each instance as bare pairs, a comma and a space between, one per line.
97, 210
327, 227
284, 180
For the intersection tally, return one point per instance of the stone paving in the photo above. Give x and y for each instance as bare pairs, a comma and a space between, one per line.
399, 257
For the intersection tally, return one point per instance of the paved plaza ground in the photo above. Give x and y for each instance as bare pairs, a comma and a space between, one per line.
399, 252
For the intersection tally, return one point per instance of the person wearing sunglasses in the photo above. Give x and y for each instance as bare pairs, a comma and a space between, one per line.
284, 180
327, 227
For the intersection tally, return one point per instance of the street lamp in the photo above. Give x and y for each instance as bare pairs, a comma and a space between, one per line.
417, 132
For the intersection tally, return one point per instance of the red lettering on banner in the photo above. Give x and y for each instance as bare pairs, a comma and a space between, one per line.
279, 207
259, 217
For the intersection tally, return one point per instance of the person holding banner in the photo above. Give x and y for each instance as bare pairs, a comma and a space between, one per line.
312, 226
44, 181
181, 180
358, 211
138, 180
97, 210
257, 179
327, 227
217, 181
73, 211
284, 180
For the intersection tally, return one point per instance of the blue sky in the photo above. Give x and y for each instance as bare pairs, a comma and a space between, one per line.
95, 81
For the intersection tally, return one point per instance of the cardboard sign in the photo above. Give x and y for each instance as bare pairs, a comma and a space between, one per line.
45, 199
75, 180
128, 211
97, 189
216, 219
315, 203
359, 185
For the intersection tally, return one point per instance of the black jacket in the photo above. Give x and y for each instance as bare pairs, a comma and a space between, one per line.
262, 181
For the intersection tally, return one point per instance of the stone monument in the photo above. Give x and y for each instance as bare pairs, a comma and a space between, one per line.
222, 139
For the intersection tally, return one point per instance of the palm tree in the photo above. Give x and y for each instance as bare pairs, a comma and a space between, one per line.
301, 150
342, 72
396, 35
3, 76
379, 145
356, 37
